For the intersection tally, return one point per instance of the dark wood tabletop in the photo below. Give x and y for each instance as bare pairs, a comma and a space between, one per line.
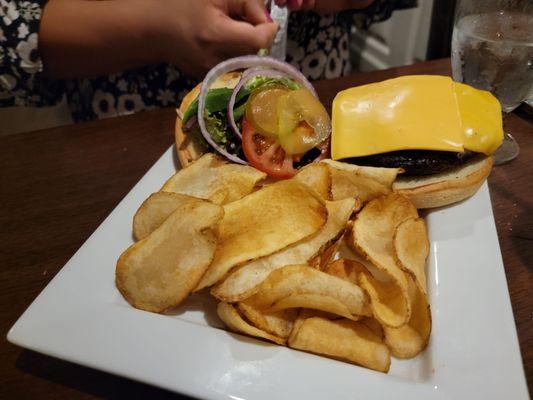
57, 185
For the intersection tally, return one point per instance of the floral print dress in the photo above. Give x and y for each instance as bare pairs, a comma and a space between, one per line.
317, 45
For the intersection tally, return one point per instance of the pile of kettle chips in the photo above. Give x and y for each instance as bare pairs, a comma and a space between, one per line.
272, 254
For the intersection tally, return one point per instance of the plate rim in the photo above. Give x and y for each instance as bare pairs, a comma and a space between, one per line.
21, 332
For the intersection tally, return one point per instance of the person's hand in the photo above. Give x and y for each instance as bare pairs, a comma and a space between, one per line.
324, 6
196, 35
81, 38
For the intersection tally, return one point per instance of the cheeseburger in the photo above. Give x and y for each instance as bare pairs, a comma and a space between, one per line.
263, 112
440, 132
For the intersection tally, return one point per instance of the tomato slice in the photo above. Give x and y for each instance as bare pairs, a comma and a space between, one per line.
266, 154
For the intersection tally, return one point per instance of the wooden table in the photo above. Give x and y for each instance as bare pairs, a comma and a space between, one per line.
57, 185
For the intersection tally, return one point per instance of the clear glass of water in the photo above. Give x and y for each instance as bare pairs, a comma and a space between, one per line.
492, 49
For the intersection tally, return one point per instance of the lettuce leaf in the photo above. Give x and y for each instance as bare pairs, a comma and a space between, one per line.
216, 104
217, 126
260, 81
218, 99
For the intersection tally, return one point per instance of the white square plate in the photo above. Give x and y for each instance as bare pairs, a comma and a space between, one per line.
81, 317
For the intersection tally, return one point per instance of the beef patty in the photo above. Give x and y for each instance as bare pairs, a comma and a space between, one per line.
415, 162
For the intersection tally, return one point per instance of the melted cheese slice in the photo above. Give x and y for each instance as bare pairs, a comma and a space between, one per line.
481, 119
420, 112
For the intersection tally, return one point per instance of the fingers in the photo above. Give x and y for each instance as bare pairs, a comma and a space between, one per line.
308, 5
265, 34
246, 38
255, 12
294, 5
252, 11
240, 28
297, 5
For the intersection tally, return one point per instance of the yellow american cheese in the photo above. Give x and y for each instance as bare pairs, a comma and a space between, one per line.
481, 117
414, 112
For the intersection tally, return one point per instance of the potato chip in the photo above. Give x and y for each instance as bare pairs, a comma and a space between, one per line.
319, 302
264, 222
372, 236
348, 270
245, 281
306, 313
410, 339
159, 271
385, 176
277, 323
390, 303
302, 286
303, 314
383, 296
342, 339
321, 260
346, 248
316, 176
214, 179
374, 325
411, 247
314, 262
155, 209
229, 315
346, 184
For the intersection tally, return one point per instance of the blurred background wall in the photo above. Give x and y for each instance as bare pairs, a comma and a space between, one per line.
401, 40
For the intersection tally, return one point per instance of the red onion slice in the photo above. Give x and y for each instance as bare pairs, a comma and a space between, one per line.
189, 124
233, 64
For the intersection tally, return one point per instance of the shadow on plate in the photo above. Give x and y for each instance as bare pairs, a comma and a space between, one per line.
175, 159
201, 302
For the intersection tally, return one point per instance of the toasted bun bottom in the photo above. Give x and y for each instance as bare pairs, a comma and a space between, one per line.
447, 187
189, 148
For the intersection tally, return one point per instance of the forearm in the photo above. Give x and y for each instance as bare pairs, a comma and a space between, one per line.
80, 38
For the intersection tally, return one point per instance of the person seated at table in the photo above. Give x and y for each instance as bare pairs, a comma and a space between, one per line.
115, 57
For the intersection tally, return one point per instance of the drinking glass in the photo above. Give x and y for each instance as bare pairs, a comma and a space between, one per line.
492, 49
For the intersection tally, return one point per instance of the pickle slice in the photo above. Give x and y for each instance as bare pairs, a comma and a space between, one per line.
261, 110
302, 121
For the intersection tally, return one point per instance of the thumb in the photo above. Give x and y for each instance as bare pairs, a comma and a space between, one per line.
265, 34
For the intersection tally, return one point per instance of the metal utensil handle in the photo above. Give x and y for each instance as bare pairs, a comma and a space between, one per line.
281, 16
